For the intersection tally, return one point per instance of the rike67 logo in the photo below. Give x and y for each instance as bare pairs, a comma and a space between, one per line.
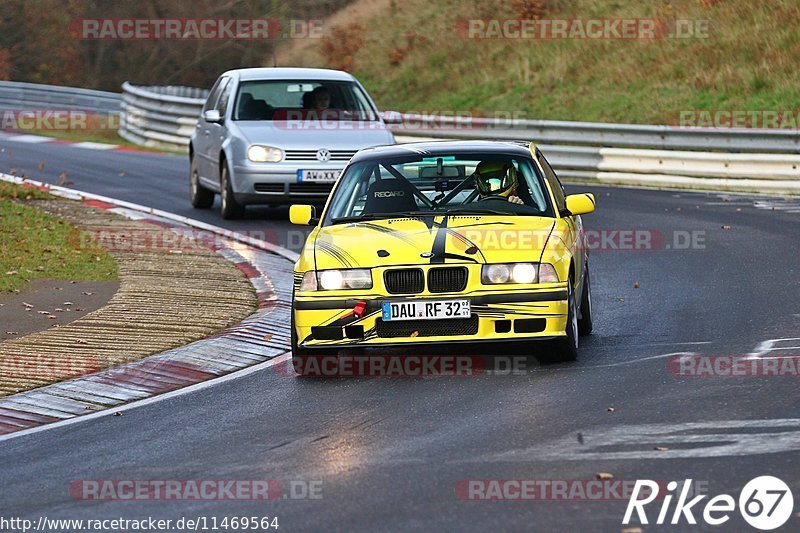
765, 503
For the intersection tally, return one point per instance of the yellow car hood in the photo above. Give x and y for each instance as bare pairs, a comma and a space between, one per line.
451, 239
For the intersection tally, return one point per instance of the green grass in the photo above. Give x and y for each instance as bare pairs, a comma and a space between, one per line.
747, 63
34, 244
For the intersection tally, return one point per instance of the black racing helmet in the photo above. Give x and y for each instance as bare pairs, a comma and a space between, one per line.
495, 178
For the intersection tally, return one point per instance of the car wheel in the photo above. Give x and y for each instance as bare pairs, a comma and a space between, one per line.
566, 348
229, 207
585, 320
202, 198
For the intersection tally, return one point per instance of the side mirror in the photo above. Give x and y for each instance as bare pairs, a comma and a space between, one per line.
212, 115
303, 215
580, 204
392, 117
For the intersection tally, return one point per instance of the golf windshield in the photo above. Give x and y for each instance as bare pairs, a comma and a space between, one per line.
468, 184
302, 100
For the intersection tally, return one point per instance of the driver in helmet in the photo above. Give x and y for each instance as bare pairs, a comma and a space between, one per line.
497, 179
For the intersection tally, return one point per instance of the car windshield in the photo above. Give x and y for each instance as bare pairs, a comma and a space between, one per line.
302, 100
480, 184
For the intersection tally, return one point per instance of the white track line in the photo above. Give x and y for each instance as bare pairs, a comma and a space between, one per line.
33, 139
152, 399
78, 195
95, 146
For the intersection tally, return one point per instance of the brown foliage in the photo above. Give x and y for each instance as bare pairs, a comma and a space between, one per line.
5, 64
530, 9
42, 40
340, 47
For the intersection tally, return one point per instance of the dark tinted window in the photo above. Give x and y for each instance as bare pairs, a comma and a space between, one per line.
211, 101
552, 180
222, 105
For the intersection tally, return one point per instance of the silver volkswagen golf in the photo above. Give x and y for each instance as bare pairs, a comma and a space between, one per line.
269, 135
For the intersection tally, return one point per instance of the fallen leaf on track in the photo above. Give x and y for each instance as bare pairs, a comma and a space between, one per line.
603, 476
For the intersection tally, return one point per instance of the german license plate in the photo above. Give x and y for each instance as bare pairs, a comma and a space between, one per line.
425, 310
317, 176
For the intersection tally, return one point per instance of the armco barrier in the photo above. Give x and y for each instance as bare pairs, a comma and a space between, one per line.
660, 156
160, 117
21, 96
602, 134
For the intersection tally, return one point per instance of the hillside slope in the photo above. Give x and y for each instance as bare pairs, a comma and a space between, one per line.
413, 56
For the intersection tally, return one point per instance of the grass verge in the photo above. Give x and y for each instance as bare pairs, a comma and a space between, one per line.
411, 56
35, 245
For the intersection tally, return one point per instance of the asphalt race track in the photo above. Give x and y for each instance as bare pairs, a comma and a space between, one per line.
396, 453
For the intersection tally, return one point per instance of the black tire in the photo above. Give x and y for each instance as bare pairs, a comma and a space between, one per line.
585, 316
229, 207
565, 349
202, 198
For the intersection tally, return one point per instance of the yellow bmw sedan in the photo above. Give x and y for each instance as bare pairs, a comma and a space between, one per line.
443, 242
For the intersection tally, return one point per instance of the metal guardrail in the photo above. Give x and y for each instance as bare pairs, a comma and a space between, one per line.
765, 160
20, 96
757, 173
160, 116
602, 134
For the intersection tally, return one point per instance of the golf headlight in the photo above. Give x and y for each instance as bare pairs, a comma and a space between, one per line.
520, 273
334, 280
264, 154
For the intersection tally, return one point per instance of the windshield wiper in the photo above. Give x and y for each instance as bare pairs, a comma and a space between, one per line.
477, 211
373, 216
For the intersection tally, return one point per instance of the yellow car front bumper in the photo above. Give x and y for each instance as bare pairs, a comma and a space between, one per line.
498, 315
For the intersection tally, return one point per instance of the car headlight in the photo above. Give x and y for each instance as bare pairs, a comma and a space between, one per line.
264, 154
520, 273
333, 280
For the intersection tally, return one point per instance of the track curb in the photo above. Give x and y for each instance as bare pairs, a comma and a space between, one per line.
257, 339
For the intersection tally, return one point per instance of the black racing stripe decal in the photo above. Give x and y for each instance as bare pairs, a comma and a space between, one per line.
467, 245
337, 253
391, 233
439, 243
549, 234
